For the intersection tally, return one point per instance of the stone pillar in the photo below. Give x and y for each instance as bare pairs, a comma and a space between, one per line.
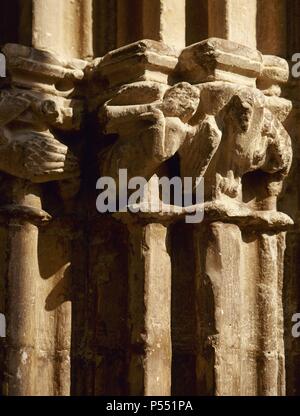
23, 271
65, 28
241, 224
31, 155
239, 253
158, 109
234, 20
241, 333
49, 23
149, 310
160, 25
143, 66
151, 19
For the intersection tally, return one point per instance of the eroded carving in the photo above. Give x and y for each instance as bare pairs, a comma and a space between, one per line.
220, 116
38, 103
29, 146
221, 129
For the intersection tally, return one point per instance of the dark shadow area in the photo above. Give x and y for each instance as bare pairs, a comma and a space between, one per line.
16, 22
255, 189
9, 21
104, 26
272, 21
293, 32
183, 320
193, 313
60, 293
99, 286
196, 21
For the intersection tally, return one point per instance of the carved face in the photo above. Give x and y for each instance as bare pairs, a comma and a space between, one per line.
243, 122
244, 108
241, 112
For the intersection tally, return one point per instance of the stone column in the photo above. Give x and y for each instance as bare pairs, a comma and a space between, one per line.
149, 310
233, 138
239, 308
151, 19
49, 22
234, 20
143, 69
31, 155
239, 253
23, 271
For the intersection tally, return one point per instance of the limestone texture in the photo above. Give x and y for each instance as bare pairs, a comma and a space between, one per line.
140, 302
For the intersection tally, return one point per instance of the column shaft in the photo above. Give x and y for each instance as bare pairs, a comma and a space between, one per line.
149, 311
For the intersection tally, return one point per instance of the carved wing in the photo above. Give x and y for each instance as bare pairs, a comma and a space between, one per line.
11, 106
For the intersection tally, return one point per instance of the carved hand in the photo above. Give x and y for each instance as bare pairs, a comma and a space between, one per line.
38, 157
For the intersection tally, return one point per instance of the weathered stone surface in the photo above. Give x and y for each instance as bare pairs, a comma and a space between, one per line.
275, 72
231, 134
32, 108
233, 20
220, 60
141, 302
145, 60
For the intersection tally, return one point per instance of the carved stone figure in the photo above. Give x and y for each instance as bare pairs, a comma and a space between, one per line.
160, 128
226, 130
142, 301
31, 153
